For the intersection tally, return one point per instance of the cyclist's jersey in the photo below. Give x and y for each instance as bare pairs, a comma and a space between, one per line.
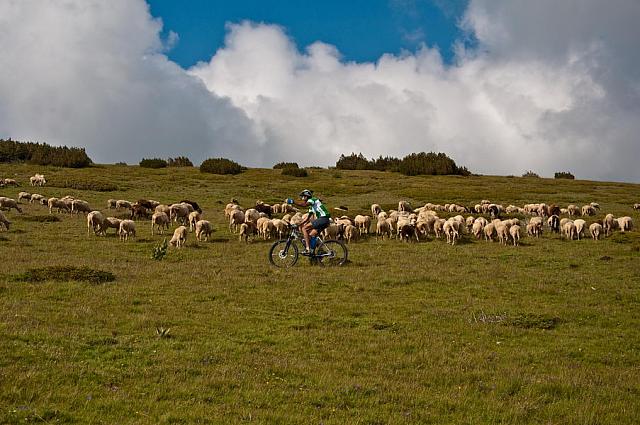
317, 207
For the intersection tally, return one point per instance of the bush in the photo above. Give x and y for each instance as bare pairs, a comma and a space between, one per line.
563, 175
414, 164
295, 172
530, 174
181, 161
281, 165
43, 154
153, 163
221, 166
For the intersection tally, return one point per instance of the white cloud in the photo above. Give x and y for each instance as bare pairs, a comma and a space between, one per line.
557, 96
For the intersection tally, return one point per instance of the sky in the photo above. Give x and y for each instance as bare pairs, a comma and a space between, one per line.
501, 86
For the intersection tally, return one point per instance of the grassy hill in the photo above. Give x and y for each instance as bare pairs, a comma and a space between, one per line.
547, 332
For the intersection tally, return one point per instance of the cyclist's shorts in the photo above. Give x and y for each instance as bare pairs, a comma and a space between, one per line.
320, 223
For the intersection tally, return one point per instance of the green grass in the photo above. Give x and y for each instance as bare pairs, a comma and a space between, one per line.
547, 332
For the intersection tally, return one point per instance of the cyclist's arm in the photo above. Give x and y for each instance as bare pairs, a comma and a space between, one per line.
300, 203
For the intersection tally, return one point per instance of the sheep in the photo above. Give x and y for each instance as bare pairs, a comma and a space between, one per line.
280, 227
569, 229
80, 206
580, 225
404, 206
625, 223
235, 220
179, 212
553, 210
350, 233
554, 223
476, 229
297, 218
127, 228
247, 229
502, 230
608, 224
451, 230
192, 205
149, 204
9, 182
333, 231
25, 196
111, 204
9, 203
383, 227
110, 223
407, 228
4, 221
36, 197
179, 237
595, 229
425, 223
261, 207
161, 221
121, 203
363, 223
438, 226
275, 208
534, 228
233, 205
494, 210
595, 205
37, 180
514, 231
95, 221
265, 227
251, 215
573, 210
375, 210
139, 211
163, 208
194, 217
203, 230
588, 210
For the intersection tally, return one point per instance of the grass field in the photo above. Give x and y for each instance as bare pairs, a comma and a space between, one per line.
548, 332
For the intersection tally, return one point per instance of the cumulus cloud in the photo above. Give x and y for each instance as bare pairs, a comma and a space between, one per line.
548, 87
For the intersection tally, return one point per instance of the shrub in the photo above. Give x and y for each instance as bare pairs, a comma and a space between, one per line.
295, 172
43, 154
153, 163
181, 161
221, 166
530, 174
563, 175
65, 273
281, 165
414, 164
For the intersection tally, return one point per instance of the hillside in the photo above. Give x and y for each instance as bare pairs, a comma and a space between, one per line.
547, 332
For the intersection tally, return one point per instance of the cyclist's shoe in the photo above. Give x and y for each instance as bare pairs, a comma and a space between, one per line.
306, 251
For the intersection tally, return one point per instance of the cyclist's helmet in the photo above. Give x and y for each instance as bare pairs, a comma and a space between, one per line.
308, 193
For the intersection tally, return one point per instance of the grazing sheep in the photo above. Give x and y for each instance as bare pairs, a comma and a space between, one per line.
149, 204
10, 182
595, 229
573, 210
625, 223
110, 223
139, 211
251, 215
95, 221
121, 203
247, 229
502, 230
404, 206
333, 231
37, 180
569, 230
80, 206
554, 223
233, 205
595, 205
275, 208
375, 210
494, 210
127, 228
8, 203
438, 227
514, 231
265, 227
588, 210
280, 227
111, 204
406, 228
636, 206
4, 221
179, 212
350, 233
203, 230
608, 224
451, 230
383, 227
163, 208
192, 205
36, 197
532, 230
261, 207
363, 223
179, 237
194, 217
477, 228
161, 221
580, 225
25, 196
235, 220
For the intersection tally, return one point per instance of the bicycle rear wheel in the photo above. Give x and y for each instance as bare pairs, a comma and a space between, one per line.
283, 254
332, 253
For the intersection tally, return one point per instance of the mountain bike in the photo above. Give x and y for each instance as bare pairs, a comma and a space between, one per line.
285, 252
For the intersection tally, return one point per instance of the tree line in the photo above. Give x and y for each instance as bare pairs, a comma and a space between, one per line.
43, 154
411, 165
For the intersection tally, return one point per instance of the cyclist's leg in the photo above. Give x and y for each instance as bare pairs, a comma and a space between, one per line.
306, 234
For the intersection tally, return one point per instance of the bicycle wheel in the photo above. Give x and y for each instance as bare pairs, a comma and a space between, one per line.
332, 253
283, 254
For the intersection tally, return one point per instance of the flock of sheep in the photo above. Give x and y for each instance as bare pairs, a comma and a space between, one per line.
482, 221
408, 224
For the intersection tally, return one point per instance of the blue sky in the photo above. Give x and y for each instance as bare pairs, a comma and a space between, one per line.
362, 30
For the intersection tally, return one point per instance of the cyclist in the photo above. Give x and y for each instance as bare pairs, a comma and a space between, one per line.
318, 210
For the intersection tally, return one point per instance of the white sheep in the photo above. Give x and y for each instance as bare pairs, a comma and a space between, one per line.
80, 206
127, 228
111, 204
375, 210
625, 223
193, 218
573, 210
476, 229
110, 223
451, 230
514, 231
280, 227
247, 229
179, 212
363, 223
580, 225
4, 221
251, 215
350, 233
121, 203
24, 196
502, 230
203, 230
636, 206
37, 180
160, 221
404, 206
608, 224
588, 210
569, 230
179, 237
595, 229
235, 220
36, 197
383, 227
95, 221
9, 203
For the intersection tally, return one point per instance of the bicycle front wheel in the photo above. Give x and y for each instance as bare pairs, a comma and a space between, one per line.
283, 254
332, 253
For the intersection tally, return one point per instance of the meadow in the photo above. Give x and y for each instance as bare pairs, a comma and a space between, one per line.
544, 333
